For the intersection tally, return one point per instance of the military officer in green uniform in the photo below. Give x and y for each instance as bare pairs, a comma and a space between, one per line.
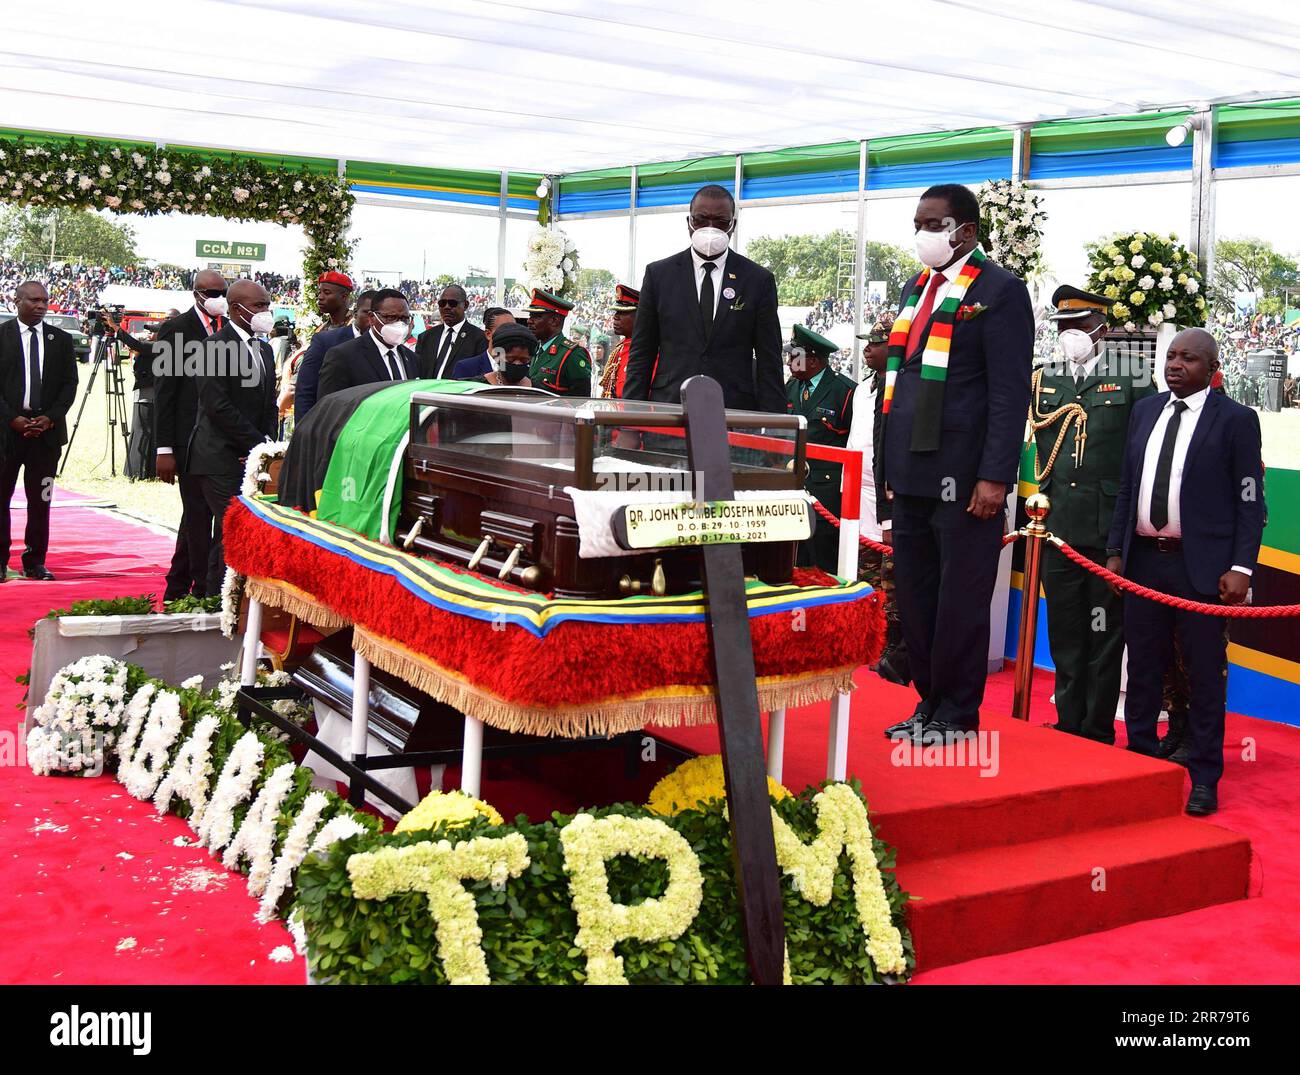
825, 398
1079, 413
560, 364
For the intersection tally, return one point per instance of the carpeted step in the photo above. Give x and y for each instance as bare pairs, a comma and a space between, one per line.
1001, 899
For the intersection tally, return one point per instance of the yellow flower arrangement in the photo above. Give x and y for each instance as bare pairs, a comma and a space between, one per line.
842, 825
588, 844
694, 784
1138, 298
437, 870
450, 808
1119, 310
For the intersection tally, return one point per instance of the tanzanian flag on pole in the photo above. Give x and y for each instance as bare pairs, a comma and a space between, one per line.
344, 463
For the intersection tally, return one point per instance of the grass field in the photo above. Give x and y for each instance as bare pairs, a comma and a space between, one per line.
86, 468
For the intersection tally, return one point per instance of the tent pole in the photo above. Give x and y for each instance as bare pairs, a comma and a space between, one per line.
501, 239
860, 261
631, 228
1202, 229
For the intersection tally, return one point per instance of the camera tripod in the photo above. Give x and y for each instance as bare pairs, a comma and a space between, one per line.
102, 354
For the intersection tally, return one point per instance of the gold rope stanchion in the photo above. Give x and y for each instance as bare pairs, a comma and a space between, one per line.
1037, 507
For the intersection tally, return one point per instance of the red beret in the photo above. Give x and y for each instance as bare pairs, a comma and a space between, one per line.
332, 277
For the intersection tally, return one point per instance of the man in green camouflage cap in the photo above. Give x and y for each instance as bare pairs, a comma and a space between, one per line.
560, 364
825, 398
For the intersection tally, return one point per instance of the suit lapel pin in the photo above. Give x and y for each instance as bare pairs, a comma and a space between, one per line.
731, 276
728, 292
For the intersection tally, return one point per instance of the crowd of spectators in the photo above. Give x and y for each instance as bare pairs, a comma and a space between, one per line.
75, 288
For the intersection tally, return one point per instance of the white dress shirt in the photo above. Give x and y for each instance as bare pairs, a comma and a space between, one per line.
1151, 458
718, 275
949, 275
1081, 370
861, 439
254, 347
26, 335
398, 374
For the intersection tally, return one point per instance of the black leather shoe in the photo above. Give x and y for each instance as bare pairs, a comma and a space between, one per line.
1169, 744
940, 731
1182, 754
40, 572
1203, 801
905, 728
893, 668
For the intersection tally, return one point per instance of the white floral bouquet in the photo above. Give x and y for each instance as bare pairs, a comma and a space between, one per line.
1011, 225
1153, 279
80, 717
551, 262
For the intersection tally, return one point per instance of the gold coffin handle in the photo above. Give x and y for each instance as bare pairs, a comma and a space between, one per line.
480, 552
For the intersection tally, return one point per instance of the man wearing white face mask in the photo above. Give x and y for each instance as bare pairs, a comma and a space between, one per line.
708, 310
176, 409
379, 354
1083, 401
953, 415
236, 393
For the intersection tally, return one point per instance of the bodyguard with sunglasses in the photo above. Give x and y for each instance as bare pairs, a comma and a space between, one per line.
441, 347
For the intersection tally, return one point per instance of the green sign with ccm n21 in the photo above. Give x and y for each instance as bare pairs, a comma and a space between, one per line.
212, 248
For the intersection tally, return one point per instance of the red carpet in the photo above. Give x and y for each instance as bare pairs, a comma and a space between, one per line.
97, 890
74, 902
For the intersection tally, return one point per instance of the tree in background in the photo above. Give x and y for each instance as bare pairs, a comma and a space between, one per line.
808, 268
1249, 264
26, 233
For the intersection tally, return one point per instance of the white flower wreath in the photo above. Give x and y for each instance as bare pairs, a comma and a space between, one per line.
1011, 228
80, 718
551, 262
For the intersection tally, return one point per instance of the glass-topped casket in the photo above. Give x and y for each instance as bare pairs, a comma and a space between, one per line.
519, 484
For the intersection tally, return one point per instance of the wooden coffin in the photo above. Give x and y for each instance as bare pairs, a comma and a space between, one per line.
485, 478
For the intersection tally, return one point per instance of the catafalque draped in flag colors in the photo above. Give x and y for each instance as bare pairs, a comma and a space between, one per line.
525, 662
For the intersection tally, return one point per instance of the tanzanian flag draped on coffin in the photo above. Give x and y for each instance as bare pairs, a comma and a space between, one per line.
347, 452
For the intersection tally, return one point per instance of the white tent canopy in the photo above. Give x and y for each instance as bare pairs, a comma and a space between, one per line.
566, 85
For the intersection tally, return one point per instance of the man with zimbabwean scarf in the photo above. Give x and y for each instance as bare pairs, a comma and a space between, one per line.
955, 398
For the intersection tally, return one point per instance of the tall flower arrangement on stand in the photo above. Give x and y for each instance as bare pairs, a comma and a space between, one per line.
1011, 225
551, 262
86, 174
1153, 279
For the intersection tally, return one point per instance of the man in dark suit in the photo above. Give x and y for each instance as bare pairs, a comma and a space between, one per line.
236, 408
38, 382
333, 290
326, 339
176, 410
956, 396
441, 347
708, 310
379, 355
1188, 522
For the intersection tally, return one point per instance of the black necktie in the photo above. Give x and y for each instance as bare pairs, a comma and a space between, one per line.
443, 350
1164, 469
34, 368
394, 370
706, 298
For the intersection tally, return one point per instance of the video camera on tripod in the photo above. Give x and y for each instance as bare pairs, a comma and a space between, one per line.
100, 317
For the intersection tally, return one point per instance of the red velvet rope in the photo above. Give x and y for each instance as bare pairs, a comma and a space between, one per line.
1249, 612
877, 546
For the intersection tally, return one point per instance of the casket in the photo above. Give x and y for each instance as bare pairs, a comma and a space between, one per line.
491, 479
